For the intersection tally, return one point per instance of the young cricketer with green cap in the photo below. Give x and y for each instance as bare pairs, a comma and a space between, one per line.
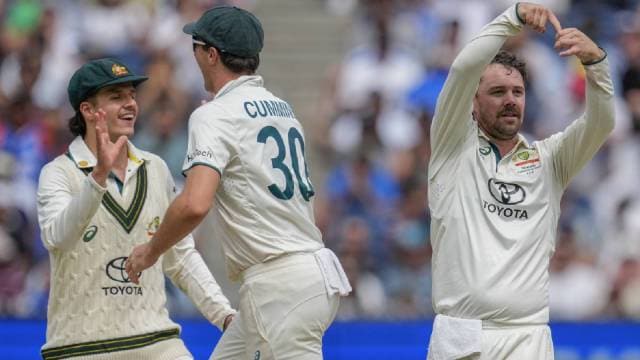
246, 150
95, 202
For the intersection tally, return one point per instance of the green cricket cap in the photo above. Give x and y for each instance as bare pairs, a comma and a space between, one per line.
229, 29
96, 74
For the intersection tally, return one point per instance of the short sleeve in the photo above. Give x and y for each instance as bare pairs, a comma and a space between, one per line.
211, 139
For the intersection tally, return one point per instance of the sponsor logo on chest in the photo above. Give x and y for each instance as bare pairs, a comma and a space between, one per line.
115, 271
505, 196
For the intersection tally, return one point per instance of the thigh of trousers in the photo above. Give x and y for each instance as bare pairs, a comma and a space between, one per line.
285, 309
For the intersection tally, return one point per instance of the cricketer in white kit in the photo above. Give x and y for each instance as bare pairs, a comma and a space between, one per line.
495, 198
95, 312
246, 149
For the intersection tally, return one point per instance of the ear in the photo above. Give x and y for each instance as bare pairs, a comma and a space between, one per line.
87, 111
213, 55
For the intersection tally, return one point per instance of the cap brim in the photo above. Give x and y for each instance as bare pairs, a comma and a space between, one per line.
135, 80
189, 28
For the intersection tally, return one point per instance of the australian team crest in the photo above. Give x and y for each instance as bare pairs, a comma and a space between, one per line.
526, 161
153, 226
119, 70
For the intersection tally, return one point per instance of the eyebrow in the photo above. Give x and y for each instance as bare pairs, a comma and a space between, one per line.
500, 87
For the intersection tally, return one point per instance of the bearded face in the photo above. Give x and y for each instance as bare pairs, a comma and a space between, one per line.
499, 103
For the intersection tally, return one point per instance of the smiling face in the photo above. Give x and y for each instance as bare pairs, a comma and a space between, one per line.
499, 102
119, 103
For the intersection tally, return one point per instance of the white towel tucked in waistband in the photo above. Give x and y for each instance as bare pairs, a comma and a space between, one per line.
335, 279
454, 338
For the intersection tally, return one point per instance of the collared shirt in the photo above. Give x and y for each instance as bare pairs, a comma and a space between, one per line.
494, 217
89, 231
264, 203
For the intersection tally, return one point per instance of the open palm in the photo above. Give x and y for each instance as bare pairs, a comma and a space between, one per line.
107, 151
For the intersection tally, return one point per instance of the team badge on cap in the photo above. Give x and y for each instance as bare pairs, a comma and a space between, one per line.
119, 70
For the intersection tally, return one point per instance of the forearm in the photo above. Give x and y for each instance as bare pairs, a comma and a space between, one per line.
189, 272
599, 113
64, 217
452, 119
179, 221
584, 137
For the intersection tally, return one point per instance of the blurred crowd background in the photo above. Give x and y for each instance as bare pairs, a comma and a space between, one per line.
367, 122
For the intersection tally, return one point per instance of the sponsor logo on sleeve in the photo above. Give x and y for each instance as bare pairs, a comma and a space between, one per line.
199, 153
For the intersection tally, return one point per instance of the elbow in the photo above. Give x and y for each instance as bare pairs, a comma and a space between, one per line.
466, 65
610, 124
459, 65
609, 118
196, 209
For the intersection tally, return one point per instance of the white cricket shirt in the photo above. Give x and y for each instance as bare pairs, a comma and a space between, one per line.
89, 231
494, 219
264, 205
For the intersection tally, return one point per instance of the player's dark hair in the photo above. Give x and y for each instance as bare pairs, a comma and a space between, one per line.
510, 60
240, 65
77, 125
237, 64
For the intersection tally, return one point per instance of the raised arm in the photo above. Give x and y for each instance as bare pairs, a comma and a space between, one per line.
451, 122
574, 147
63, 214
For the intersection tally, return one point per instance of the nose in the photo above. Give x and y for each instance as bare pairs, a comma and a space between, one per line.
510, 98
130, 101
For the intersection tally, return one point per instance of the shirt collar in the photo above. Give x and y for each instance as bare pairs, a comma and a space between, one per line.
249, 80
84, 158
522, 141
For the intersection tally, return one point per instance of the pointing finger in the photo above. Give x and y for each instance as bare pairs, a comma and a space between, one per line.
555, 22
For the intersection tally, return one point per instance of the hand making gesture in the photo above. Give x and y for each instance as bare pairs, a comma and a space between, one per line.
106, 150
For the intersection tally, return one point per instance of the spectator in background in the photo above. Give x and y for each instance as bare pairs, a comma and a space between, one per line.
381, 66
407, 278
367, 299
362, 188
164, 134
574, 276
114, 28
22, 138
15, 242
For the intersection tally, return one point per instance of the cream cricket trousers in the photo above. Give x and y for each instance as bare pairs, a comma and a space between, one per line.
283, 313
494, 341
522, 343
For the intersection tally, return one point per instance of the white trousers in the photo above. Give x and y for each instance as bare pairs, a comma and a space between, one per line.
283, 313
516, 343
468, 339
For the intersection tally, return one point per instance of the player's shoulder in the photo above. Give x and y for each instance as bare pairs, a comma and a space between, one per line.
152, 161
61, 171
212, 111
61, 163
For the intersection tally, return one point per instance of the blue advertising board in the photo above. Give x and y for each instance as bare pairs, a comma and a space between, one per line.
407, 340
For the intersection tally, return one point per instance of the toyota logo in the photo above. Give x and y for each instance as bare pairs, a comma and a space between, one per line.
115, 270
506, 193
